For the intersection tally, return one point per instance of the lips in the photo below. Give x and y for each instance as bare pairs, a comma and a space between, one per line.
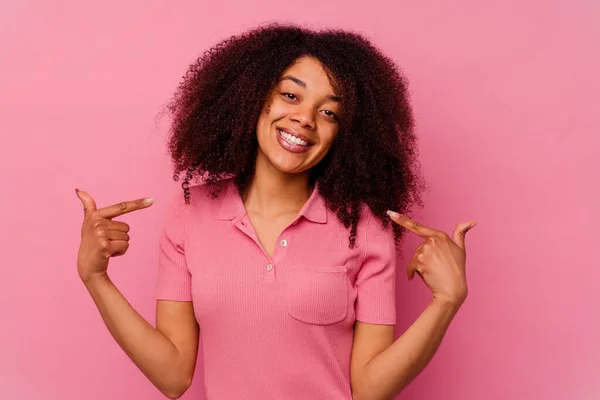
291, 142
296, 134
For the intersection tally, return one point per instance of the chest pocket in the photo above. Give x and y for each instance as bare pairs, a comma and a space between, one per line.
317, 295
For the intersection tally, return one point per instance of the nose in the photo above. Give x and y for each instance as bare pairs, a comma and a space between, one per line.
305, 117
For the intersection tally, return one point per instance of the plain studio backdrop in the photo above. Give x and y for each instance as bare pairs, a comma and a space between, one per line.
506, 98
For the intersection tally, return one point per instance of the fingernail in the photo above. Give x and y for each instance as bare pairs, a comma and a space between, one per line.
148, 200
473, 225
393, 214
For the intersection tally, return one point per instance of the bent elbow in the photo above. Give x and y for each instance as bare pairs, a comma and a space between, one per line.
175, 391
173, 395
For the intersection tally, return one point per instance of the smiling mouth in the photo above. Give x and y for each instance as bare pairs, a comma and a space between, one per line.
291, 139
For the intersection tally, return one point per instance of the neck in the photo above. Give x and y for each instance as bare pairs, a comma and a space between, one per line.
272, 192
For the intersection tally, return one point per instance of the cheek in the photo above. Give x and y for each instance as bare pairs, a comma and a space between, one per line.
276, 109
264, 119
267, 108
328, 138
266, 113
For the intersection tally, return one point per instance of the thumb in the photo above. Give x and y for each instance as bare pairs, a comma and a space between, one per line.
460, 231
89, 205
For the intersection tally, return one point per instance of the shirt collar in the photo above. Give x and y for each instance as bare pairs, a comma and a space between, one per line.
232, 207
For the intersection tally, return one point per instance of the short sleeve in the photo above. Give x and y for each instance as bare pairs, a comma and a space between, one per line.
174, 279
376, 278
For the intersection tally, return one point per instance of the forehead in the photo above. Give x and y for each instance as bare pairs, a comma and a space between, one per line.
310, 71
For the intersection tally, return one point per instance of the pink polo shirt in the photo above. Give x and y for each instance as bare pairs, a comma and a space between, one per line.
281, 327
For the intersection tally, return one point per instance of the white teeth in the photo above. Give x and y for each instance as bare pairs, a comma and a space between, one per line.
292, 139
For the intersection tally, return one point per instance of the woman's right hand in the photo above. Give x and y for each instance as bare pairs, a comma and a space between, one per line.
101, 237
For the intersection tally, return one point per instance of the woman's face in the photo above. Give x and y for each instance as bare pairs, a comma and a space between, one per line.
299, 122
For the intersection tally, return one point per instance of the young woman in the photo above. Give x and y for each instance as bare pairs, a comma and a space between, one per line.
284, 256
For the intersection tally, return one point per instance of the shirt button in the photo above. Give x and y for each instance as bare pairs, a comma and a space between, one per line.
284, 242
269, 267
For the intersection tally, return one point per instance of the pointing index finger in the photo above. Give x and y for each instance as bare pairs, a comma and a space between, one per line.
124, 207
413, 226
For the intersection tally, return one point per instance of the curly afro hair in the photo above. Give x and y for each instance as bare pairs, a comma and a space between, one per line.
373, 161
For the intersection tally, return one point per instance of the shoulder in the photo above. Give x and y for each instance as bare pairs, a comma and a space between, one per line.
373, 232
370, 223
200, 199
204, 193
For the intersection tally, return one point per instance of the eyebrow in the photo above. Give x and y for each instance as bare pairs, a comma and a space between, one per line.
303, 84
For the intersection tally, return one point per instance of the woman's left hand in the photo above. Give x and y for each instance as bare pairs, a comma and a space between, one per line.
439, 260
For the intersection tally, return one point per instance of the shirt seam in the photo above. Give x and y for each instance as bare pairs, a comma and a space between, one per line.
366, 247
183, 213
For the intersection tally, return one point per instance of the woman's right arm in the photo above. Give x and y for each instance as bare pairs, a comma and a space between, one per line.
165, 354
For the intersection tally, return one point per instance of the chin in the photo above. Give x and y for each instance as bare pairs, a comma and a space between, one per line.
289, 166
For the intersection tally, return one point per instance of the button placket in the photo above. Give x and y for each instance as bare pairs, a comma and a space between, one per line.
283, 245
269, 273
244, 226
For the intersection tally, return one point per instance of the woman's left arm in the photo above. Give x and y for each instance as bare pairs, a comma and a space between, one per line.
380, 367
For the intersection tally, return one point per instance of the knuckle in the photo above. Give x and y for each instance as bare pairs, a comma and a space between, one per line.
96, 223
438, 237
122, 206
103, 243
100, 232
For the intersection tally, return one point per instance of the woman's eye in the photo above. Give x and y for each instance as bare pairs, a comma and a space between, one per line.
329, 113
289, 96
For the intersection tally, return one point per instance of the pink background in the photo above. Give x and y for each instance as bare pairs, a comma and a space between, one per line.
506, 98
